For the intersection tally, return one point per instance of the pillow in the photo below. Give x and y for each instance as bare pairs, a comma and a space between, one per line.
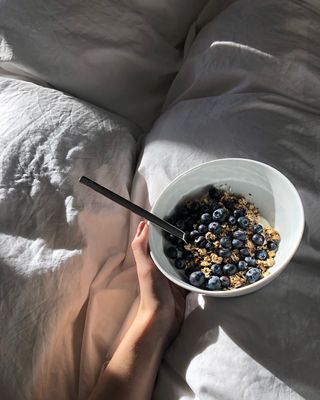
119, 55
268, 47
44, 152
57, 237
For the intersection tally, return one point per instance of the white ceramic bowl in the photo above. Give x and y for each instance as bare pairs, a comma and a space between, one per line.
275, 196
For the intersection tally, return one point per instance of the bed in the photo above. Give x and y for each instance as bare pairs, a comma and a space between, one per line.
132, 95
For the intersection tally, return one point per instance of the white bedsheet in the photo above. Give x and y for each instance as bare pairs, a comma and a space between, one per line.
249, 87
59, 241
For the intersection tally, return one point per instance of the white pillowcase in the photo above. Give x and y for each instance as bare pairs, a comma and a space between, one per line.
119, 55
47, 140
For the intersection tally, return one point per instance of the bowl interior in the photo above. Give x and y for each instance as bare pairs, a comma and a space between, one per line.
274, 195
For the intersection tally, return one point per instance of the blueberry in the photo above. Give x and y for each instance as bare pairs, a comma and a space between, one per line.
214, 193
171, 238
232, 220
199, 241
180, 245
215, 206
272, 245
194, 215
204, 209
226, 218
171, 252
251, 261
242, 265
257, 239
253, 275
194, 234
187, 255
219, 214
214, 283
243, 222
240, 235
225, 281
181, 225
229, 269
206, 218
180, 263
196, 278
237, 244
238, 212
229, 204
202, 228
225, 242
257, 228
209, 246
183, 211
189, 223
216, 269
189, 270
215, 227
244, 252
224, 252
195, 206
261, 255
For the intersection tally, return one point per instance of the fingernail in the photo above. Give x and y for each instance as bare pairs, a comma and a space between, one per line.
140, 228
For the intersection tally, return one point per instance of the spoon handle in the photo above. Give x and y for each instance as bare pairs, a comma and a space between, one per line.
133, 207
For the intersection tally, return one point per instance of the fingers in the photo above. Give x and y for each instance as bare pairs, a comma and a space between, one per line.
156, 295
148, 273
140, 243
145, 265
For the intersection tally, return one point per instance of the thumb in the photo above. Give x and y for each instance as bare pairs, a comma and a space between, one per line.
140, 243
147, 272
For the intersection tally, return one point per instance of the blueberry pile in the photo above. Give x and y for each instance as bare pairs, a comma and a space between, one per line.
228, 248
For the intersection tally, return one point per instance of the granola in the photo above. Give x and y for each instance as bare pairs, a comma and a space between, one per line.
228, 247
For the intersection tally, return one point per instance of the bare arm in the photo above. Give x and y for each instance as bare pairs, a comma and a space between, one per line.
131, 373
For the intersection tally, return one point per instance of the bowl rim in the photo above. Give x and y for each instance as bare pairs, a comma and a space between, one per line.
245, 289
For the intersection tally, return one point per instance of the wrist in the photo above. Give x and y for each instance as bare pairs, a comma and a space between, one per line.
152, 325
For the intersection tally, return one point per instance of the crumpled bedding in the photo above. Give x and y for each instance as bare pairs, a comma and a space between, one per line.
264, 345
59, 241
247, 90
248, 87
120, 55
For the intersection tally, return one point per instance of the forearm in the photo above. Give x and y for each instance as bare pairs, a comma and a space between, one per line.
131, 373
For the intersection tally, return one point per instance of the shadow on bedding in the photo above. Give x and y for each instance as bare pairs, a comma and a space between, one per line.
269, 337
276, 329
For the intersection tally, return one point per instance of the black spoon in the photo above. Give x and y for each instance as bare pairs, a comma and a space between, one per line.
134, 208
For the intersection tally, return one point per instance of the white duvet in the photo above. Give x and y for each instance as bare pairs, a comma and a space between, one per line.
249, 87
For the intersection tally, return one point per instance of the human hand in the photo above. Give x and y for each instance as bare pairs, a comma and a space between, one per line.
161, 301
159, 317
